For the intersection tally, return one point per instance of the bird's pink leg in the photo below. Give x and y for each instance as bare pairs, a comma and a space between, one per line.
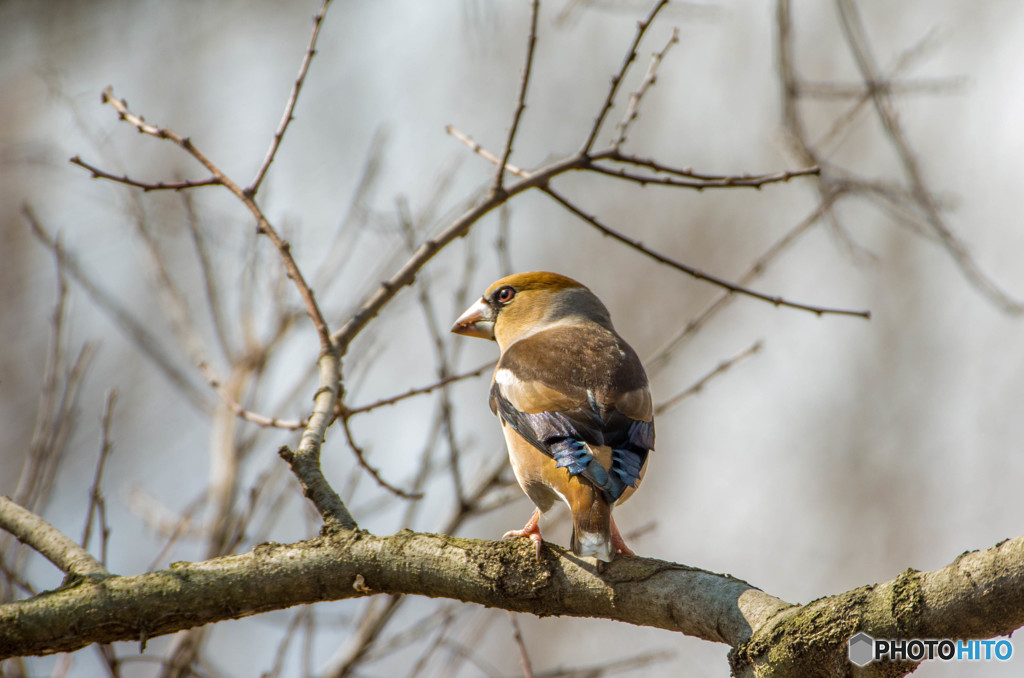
618, 543
531, 530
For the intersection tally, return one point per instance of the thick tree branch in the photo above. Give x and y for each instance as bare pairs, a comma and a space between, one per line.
53, 544
979, 595
502, 574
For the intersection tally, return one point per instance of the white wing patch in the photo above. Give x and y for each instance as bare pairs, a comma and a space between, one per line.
505, 377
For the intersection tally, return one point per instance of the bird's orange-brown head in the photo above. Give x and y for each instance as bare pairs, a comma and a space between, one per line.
521, 304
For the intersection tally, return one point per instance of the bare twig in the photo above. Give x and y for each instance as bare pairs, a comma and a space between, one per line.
298, 619
517, 636
699, 180
698, 274
143, 338
305, 460
470, 143
759, 266
263, 225
97, 504
749, 181
501, 245
696, 388
638, 661
714, 180
438, 335
289, 108
242, 412
857, 40
210, 283
841, 90
361, 458
633, 109
98, 173
641, 28
47, 417
531, 44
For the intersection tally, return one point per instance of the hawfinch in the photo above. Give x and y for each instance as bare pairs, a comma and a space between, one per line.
572, 399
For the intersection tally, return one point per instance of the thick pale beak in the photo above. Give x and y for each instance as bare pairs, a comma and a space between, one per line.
477, 321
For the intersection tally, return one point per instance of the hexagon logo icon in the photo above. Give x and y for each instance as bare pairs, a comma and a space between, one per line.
861, 649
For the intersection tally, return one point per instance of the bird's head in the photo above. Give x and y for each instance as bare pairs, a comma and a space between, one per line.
521, 304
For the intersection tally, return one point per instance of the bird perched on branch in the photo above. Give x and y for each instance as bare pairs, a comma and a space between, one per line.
573, 402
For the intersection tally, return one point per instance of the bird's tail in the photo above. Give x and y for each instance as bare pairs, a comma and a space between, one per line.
591, 527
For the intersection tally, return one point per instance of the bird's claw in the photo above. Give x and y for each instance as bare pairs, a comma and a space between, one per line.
531, 530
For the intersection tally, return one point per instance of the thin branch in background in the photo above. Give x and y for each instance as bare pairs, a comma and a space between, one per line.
245, 516
470, 143
423, 390
46, 412
501, 245
699, 385
760, 265
439, 624
474, 629
707, 180
55, 442
183, 526
631, 55
374, 473
298, 620
650, 77
274, 509
690, 179
97, 504
305, 460
351, 227
725, 182
241, 412
98, 173
416, 630
691, 271
441, 357
633, 663
176, 308
14, 580
263, 225
531, 45
878, 90
856, 37
211, 285
517, 636
840, 91
862, 92
465, 652
309, 635
136, 331
289, 108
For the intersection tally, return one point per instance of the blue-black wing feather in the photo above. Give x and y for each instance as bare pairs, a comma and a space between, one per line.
564, 436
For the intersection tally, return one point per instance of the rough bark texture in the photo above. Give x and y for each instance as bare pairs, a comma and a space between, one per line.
979, 595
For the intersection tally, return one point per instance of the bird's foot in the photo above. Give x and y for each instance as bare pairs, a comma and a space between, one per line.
531, 530
618, 543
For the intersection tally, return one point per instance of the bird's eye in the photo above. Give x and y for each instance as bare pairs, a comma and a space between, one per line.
505, 295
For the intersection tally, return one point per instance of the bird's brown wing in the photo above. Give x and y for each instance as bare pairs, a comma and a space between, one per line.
570, 389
